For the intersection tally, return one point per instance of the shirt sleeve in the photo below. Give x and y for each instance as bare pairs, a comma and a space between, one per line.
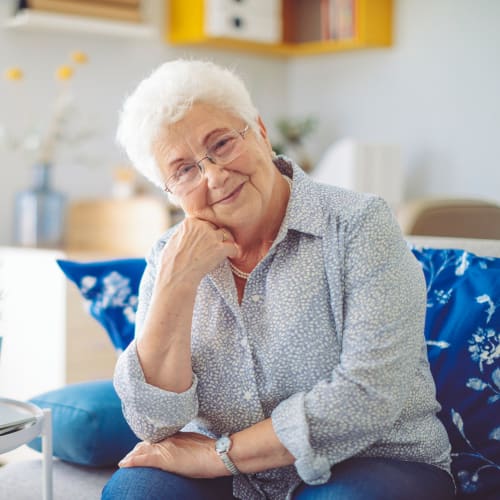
152, 413
384, 299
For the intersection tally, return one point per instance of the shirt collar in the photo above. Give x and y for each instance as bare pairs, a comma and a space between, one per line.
305, 211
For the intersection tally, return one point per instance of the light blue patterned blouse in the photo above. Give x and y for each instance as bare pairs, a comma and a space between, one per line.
328, 342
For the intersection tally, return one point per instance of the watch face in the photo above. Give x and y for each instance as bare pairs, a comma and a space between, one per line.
222, 444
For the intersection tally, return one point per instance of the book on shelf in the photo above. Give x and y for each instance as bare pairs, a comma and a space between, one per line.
318, 20
325, 19
305, 20
118, 10
341, 19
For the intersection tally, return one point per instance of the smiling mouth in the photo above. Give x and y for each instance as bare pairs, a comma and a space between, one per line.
231, 196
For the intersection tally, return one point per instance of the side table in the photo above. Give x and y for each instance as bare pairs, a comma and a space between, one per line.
20, 422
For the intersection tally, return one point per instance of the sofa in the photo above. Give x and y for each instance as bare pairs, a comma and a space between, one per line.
463, 339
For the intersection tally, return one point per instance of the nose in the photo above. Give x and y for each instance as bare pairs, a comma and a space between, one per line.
215, 174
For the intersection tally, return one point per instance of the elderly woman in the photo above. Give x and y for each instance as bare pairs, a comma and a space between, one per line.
279, 348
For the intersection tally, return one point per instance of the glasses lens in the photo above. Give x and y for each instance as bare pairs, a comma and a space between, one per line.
225, 148
186, 178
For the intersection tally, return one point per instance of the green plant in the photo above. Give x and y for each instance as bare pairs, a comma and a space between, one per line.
292, 133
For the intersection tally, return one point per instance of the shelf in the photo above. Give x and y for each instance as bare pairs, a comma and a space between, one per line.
372, 28
282, 49
28, 20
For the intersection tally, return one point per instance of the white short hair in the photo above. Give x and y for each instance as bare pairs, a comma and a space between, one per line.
166, 96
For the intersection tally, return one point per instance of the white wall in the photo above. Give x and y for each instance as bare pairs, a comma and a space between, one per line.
435, 92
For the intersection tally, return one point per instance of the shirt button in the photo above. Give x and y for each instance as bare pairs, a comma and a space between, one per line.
247, 395
256, 298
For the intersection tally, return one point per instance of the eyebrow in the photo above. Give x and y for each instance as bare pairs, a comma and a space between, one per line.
216, 131
220, 130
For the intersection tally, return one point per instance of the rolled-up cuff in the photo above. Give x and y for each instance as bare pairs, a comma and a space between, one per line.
160, 408
290, 424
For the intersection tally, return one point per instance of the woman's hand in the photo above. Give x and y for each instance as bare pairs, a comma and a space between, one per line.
185, 453
195, 249
164, 348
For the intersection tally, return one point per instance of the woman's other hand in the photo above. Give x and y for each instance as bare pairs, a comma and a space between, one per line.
186, 453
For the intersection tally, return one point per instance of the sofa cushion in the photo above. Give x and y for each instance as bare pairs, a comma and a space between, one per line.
88, 424
463, 336
110, 289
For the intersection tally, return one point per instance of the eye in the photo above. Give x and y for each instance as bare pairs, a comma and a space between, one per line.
223, 145
185, 171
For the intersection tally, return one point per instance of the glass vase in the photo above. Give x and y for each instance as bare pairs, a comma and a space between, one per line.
39, 212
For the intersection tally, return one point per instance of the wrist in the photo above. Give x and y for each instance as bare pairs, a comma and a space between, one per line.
177, 283
222, 448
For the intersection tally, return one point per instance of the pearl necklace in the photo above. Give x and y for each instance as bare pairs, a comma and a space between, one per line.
238, 272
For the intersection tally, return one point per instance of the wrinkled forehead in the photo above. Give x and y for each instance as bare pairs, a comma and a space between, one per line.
193, 133
200, 120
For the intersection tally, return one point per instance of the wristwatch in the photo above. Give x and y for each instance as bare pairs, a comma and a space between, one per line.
222, 447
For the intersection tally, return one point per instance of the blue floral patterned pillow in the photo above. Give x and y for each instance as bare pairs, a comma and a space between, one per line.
110, 290
463, 337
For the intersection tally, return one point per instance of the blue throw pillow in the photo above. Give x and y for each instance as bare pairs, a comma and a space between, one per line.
110, 289
463, 337
88, 424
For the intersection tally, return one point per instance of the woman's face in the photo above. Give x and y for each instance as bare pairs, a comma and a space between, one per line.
230, 196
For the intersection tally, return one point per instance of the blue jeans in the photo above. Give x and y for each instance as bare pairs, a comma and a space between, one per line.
353, 479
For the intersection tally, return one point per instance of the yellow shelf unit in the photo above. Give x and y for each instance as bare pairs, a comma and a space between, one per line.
372, 28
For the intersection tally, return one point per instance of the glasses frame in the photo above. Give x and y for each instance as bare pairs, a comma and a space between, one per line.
208, 157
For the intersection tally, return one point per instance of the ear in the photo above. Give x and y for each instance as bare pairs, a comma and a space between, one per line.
263, 133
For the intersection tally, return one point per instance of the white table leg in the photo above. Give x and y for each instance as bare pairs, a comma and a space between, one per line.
47, 455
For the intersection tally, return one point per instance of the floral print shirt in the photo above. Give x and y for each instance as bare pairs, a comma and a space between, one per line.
328, 342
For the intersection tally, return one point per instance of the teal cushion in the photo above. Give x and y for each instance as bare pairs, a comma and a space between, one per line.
88, 424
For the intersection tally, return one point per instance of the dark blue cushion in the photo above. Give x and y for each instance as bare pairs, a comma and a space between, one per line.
110, 289
463, 337
88, 424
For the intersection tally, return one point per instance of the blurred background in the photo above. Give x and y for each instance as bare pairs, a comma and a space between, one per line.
421, 89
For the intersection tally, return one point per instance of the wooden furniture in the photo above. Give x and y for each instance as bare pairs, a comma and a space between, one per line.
450, 217
123, 227
91, 17
33, 317
49, 339
188, 23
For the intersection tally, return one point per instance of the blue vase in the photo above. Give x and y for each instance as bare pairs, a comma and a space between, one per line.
39, 213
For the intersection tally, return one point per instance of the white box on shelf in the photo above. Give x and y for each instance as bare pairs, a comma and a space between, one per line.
250, 20
245, 7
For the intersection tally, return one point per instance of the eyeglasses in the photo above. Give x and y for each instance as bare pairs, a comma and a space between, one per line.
223, 150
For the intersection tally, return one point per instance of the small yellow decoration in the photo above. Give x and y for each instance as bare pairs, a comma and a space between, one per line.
79, 57
64, 72
14, 74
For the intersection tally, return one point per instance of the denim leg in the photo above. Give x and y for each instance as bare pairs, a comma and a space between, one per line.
141, 483
381, 479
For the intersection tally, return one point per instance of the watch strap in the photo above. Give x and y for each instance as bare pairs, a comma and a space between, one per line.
229, 464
